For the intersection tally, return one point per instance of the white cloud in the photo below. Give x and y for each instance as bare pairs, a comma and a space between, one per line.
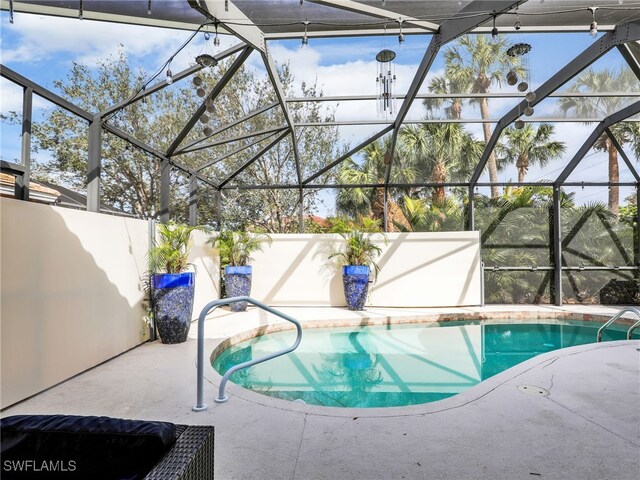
355, 77
40, 37
11, 99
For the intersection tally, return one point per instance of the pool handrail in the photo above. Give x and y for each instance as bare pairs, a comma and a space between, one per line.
616, 317
200, 405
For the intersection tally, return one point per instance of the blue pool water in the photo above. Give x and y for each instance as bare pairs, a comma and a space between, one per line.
396, 365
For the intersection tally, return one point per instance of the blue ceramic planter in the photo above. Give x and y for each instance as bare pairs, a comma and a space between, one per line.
356, 285
237, 283
173, 304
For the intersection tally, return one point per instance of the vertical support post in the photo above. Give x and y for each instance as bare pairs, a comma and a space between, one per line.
22, 181
151, 231
301, 212
557, 245
637, 262
218, 202
385, 213
193, 200
471, 206
165, 187
94, 164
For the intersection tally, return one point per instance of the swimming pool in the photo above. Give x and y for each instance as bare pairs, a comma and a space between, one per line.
397, 365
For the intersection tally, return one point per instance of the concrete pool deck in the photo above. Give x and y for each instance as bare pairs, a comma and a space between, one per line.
588, 427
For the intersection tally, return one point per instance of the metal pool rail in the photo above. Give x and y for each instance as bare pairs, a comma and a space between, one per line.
200, 405
617, 316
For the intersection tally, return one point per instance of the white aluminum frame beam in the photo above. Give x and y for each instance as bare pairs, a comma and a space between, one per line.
232, 19
272, 71
382, 13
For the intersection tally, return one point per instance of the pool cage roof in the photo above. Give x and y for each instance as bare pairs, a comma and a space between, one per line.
254, 22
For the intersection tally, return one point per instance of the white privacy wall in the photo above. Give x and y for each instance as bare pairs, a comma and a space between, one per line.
206, 263
72, 292
417, 270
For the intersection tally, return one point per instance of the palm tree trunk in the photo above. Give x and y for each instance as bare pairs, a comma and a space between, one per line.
439, 175
522, 165
491, 162
377, 206
614, 177
456, 109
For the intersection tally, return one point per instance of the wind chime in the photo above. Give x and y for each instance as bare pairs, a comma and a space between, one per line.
522, 50
206, 60
385, 80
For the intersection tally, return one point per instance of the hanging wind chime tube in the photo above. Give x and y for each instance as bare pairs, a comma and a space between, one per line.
522, 50
385, 80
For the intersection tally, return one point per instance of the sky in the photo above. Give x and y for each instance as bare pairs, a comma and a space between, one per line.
44, 48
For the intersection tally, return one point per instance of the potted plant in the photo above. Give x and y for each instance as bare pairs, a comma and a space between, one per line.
235, 252
358, 254
172, 287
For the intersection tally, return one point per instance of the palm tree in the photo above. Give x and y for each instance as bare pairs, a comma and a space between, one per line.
530, 146
478, 63
424, 216
606, 81
443, 85
358, 201
440, 152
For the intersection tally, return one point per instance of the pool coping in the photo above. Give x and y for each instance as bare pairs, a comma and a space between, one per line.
459, 400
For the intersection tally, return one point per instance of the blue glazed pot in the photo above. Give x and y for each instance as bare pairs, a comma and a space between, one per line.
237, 283
356, 285
173, 304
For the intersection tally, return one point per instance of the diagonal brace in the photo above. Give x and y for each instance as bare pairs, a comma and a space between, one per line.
277, 85
620, 35
253, 159
237, 138
343, 157
622, 153
226, 127
235, 66
616, 117
231, 153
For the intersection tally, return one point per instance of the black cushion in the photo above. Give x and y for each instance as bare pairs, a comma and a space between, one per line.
66, 446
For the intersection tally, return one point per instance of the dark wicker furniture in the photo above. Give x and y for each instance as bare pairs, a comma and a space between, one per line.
80, 447
190, 458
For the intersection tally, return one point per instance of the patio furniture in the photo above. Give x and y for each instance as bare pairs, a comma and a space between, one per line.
51, 446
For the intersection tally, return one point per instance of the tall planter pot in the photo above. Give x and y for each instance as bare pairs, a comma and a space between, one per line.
173, 304
237, 283
356, 285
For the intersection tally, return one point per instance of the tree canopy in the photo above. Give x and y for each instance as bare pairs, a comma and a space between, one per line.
130, 177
